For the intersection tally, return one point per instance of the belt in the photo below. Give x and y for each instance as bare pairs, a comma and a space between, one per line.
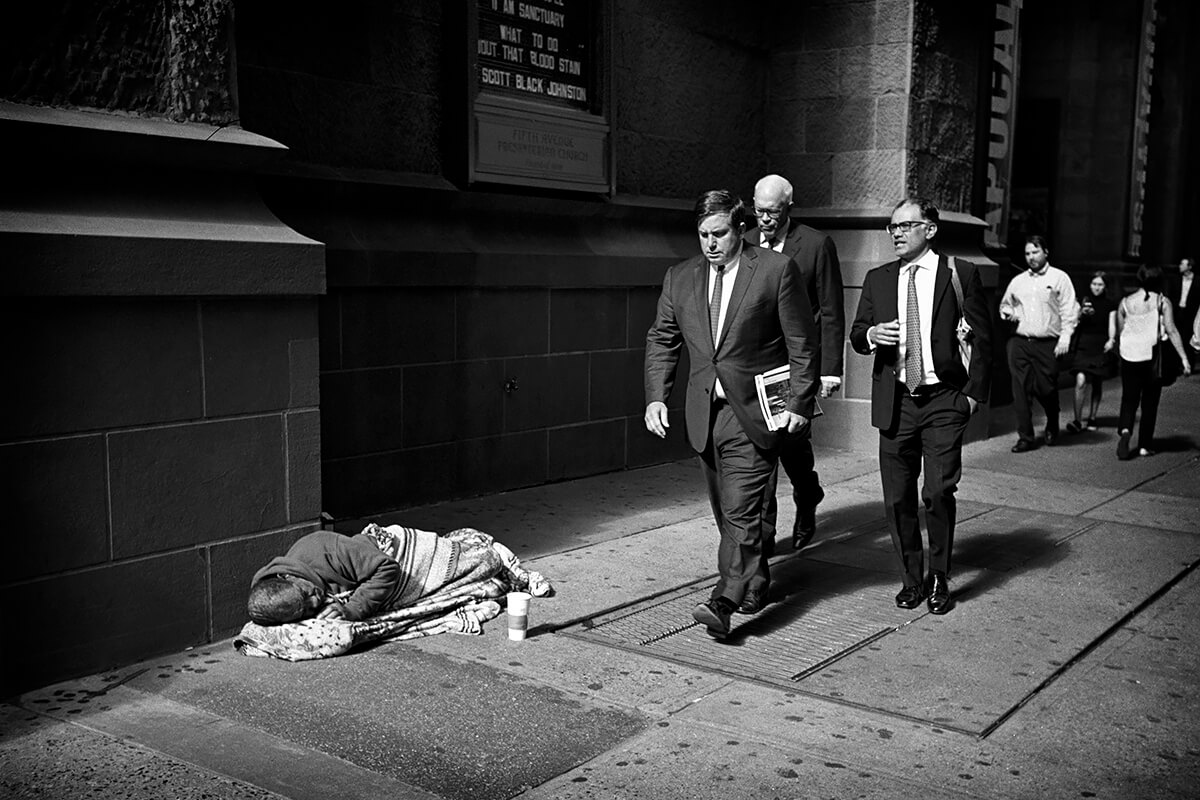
1039, 338
925, 389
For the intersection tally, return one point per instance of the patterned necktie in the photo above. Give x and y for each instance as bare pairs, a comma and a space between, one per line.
714, 305
913, 368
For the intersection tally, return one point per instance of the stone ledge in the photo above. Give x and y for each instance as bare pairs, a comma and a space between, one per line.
117, 205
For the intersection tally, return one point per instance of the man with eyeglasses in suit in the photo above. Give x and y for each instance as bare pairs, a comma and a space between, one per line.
922, 395
817, 258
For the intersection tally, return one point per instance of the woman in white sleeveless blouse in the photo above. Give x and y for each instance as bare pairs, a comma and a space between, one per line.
1144, 320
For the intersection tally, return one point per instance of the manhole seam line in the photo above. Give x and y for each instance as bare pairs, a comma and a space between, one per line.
1089, 648
781, 684
854, 648
1122, 492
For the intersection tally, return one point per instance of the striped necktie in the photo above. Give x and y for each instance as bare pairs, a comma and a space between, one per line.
714, 305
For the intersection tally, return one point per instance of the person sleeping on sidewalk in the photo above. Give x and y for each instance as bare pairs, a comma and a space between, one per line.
331, 592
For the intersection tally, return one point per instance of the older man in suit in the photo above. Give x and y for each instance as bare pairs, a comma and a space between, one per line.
922, 394
740, 311
817, 258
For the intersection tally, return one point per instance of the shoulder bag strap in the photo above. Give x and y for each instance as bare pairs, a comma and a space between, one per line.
954, 279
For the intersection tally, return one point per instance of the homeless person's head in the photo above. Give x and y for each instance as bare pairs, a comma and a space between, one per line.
277, 599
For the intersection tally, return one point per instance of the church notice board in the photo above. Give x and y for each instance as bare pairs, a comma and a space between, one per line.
541, 94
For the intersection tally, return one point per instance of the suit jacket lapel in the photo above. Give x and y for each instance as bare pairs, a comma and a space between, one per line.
889, 306
791, 242
700, 294
941, 283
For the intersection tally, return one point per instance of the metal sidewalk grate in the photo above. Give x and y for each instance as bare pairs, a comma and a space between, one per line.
820, 612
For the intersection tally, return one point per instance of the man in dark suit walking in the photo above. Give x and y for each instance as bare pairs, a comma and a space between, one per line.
922, 395
816, 256
740, 311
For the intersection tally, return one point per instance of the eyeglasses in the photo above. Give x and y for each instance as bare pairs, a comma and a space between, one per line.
905, 227
770, 213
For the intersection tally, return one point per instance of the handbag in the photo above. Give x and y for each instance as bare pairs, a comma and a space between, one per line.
1164, 360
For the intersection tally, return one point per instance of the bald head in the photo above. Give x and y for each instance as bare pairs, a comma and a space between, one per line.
773, 191
772, 200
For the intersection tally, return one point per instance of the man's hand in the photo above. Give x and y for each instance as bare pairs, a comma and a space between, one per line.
1061, 348
885, 334
828, 387
796, 422
334, 610
656, 419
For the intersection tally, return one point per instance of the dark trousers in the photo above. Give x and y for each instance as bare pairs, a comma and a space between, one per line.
1034, 369
1140, 387
738, 476
1184, 320
929, 433
797, 459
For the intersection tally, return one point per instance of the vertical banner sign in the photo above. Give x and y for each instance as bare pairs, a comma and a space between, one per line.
539, 117
1002, 121
1141, 130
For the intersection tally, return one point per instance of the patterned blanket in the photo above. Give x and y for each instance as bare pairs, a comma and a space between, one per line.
486, 571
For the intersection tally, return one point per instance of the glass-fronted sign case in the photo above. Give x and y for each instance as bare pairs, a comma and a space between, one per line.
540, 94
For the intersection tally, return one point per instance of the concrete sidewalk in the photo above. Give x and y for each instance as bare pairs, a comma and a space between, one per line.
1067, 668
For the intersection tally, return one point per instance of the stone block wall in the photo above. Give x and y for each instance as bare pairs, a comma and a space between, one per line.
454, 363
836, 96
512, 391
689, 84
160, 438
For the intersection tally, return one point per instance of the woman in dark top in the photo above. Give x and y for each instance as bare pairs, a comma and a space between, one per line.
1094, 339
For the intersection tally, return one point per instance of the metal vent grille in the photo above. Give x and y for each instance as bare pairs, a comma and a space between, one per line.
819, 613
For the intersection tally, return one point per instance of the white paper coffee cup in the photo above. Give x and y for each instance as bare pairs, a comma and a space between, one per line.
518, 615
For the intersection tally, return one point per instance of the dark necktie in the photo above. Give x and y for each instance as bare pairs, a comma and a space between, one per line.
714, 305
913, 368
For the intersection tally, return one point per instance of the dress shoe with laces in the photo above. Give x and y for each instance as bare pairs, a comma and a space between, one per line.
754, 601
715, 616
909, 597
939, 601
1022, 446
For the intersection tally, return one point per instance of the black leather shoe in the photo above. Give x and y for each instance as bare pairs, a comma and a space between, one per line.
1123, 446
1051, 436
714, 617
804, 528
754, 601
909, 597
1022, 446
939, 593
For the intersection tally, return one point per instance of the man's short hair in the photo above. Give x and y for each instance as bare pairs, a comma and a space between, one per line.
1038, 241
928, 209
721, 201
275, 600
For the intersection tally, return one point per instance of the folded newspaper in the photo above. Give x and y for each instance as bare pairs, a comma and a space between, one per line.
774, 390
